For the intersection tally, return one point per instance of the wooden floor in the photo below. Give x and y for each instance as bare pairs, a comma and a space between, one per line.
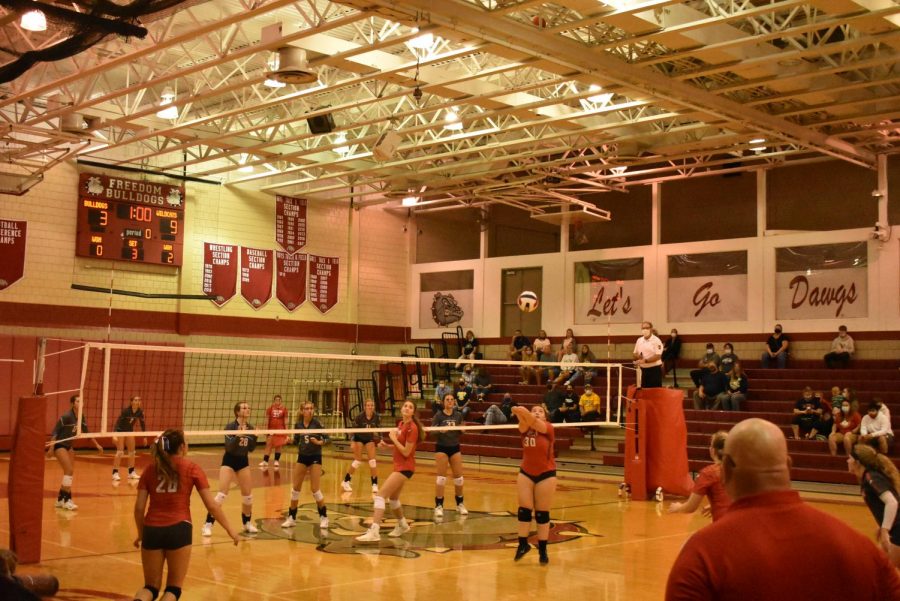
603, 548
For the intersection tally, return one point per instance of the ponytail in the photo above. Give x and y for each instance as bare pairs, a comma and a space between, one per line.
873, 460
418, 422
168, 444
717, 443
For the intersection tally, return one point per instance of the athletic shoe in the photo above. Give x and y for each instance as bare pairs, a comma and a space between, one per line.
544, 559
116, 477
521, 551
374, 488
207, 529
276, 465
372, 535
134, 476
461, 509
249, 528
323, 523
69, 505
59, 503
289, 522
400, 529
438, 512
346, 487
264, 464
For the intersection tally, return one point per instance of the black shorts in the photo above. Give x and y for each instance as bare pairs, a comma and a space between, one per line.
449, 451
408, 474
363, 438
62, 445
235, 462
539, 477
167, 538
309, 460
895, 533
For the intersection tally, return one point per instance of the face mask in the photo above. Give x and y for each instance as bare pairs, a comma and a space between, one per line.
728, 350
709, 351
778, 330
674, 333
645, 332
845, 408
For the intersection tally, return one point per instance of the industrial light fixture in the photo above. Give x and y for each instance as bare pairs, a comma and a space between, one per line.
410, 201
342, 150
167, 109
244, 168
33, 20
597, 97
451, 120
757, 141
422, 42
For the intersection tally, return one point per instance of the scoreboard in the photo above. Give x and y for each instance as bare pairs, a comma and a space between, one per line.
129, 220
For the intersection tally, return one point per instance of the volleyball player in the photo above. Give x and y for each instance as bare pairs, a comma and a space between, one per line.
367, 419
131, 417
403, 441
164, 531
309, 461
536, 481
446, 452
276, 416
65, 454
880, 484
709, 483
236, 466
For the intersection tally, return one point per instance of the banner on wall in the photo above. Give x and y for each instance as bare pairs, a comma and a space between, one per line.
256, 276
290, 223
290, 282
611, 290
12, 252
219, 271
446, 299
708, 287
824, 281
323, 282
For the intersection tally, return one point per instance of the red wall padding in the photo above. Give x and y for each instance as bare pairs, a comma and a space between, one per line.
666, 431
26, 479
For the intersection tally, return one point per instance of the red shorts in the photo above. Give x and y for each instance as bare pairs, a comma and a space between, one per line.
277, 440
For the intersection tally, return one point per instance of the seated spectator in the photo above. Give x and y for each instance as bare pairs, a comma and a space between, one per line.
542, 346
517, 345
482, 383
468, 374
709, 483
842, 349
584, 356
825, 425
499, 414
875, 429
590, 405
463, 395
846, 426
836, 397
469, 349
564, 372
528, 372
776, 354
703, 364
442, 390
569, 339
553, 400
670, 354
850, 395
807, 411
713, 385
736, 393
568, 411
727, 359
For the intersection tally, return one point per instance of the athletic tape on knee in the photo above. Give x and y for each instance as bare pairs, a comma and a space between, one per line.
220, 497
355, 463
524, 514
247, 499
379, 502
175, 590
295, 495
458, 481
396, 504
67, 481
542, 517
373, 463
153, 590
318, 496
441, 480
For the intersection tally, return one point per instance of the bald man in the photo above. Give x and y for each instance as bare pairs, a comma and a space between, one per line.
772, 546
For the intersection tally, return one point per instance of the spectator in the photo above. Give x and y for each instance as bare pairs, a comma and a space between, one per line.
442, 390
875, 429
736, 393
842, 349
727, 359
482, 383
590, 405
528, 372
585, 355
468, 375
567, 370
647, 356
496, 415
670, 354
517, 345
836, 397
469, 349
825, 424
850, 395
568, 411
703, 364
569, 339
846, 426
713, 386
542, 345
880, 483
463, 395
807, 411
507, 408
709, 483
776, 350
770, 545
553, 400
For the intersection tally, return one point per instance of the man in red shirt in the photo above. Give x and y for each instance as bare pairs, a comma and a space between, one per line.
770, 544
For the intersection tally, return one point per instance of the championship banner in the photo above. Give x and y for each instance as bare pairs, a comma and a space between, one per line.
290, 279
256, 276
219, 271
290, 223
323, 282
609, 291
823, 281
708, 287
446, 299
12, 252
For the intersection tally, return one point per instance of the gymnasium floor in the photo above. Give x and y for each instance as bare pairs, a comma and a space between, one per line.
604, 548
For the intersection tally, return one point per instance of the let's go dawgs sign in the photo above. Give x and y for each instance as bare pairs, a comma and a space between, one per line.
822, 294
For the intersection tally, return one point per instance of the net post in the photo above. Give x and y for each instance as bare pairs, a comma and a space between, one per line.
608, 391
104, 413
39, 365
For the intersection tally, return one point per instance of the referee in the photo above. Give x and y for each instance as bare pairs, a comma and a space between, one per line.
648, 357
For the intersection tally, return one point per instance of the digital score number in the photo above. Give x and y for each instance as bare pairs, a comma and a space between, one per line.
127, 231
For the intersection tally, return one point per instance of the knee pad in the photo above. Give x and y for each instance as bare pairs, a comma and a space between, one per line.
441, 480
67, 481
379, 502
542, 517
318, 496
524, 514
295, 495
175, 590
396, 504
220, 497
373, 463
458, 481
247, 499
153, 590
355, 463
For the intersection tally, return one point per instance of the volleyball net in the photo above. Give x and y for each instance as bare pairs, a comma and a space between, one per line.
196, 389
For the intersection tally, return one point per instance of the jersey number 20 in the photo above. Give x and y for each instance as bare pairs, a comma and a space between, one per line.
161, 487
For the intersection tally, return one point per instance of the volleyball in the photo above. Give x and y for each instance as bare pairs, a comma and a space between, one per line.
528, 301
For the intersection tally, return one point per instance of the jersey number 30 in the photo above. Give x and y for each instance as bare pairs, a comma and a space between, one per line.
529, 441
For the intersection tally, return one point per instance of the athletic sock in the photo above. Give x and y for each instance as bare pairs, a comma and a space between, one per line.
115, 470
277, 456
523, 541
210, 519
293, 513
266, 458
375, 480
542, 547
439, 501
459, 499
244, 518
130, 470
347, 477
323, 511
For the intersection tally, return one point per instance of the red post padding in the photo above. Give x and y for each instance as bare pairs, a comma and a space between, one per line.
667, 458
635, 445
26, 479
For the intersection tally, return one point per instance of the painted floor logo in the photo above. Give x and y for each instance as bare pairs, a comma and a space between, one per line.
477, 531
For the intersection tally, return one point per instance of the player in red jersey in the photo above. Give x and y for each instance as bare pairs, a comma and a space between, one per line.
537, 478
709, 483
404, 439
164, 531
276, 416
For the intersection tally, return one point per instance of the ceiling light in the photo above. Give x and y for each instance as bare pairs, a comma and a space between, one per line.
167, 109
757, 148
422, 42
33, 20
343, 149
244, 168
274, 83
410, 201
757, 141
597, 97
451, 121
